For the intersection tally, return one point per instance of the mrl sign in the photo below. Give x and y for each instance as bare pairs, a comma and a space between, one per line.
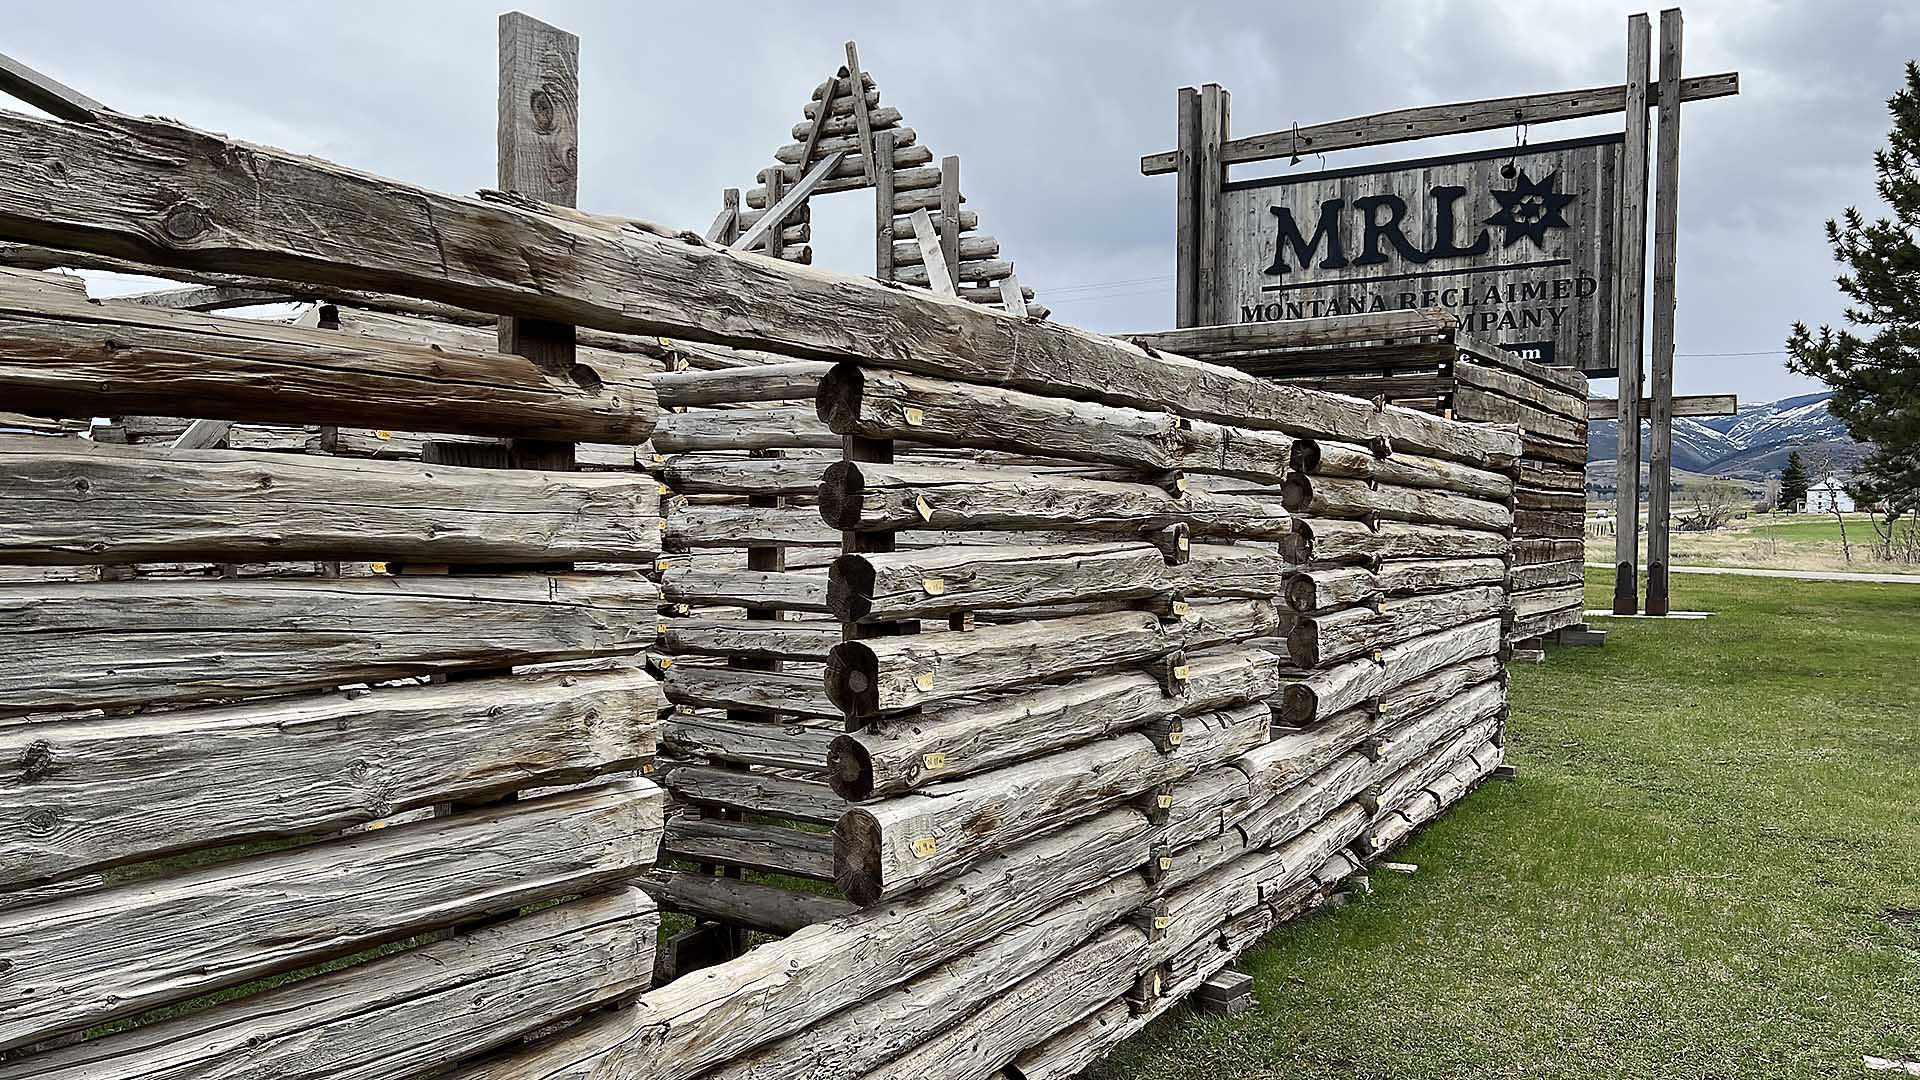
1517, 243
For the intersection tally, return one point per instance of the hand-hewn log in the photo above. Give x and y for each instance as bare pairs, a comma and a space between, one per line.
693, 474
103, 791
1541, 575
1535, 499
1553, 598
1321, 497
1317, 640
778, 746
1531, 550
848, 142
884, 848
767, 848
1564, 524
1391, 791
763, 639
1293, 755
81, 502
972, 248
780, 590
840, 120
1436, 688
742, 903
1562, 403
1471, 403
1396, 825
784, 692
879, 404
484, 988
692, 527
1214, 622
973, 270
924, 179
107, 644
757, 792
1230, 570
1405, 577
1325, 588
82, 961
1345, 686
702, 1020
70, 356
219, 205
1411, 738
1332, 540
871, 496
935, 582
880, 675
1320, 457
791, 381
778, 428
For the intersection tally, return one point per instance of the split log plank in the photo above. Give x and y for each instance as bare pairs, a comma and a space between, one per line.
767, 848
742, 903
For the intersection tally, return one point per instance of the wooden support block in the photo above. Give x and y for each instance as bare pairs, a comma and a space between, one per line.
1580, 634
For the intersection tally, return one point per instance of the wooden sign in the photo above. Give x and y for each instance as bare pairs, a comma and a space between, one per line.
1517, 242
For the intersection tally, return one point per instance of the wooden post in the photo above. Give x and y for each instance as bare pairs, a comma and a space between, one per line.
883, 209
1666, 210
1186, 221
1630, 273
869, 166
776, 181
950, 217
1215, 106
858, 448
730, 199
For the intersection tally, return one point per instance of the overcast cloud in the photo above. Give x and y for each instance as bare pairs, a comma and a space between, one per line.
1050, 107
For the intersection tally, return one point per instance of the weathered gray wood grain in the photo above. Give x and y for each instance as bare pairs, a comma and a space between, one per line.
742, 903
1351, 684
769, 848
935, 582
1340, 541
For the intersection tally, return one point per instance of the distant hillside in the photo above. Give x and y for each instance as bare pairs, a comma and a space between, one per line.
1752, 445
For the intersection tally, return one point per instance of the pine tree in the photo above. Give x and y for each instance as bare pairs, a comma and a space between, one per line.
1793, 482
1874, 365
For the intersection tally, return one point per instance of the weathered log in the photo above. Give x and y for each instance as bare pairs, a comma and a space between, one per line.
1573, 453
763, 639
1330, 587
1561, 402
359, 231
885, 848
66, 355
847, 142
1393, 827
841, 120
1548, 476
1345, 686
792, 746
792, 381
972, 248
691, 527
1296, 810
702, 1019
1320, 497
85, 960
1413, 738
1319, 457
881, 675
1530, 550
934, 582
1292, 756
80, 502
767, 848
694, 474
1544, 575
102, 791
772, 589
972, 270
483, 988
871, 497
757, 792
785, 692
1552, 598
969, 221
1535, 499
777, 428
1318, 640
926, 178
1563, 524
1437, 688
1335, 541
880, 404
1396, 788
153, 641
1215, 622
1408, 576
1230, 570
742, 903
596, 351
849, 173
1472, 403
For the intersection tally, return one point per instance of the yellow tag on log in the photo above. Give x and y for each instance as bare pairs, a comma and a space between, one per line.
934, 586
663, 524
1180, 483
1186, 542
660, 628
1180, 671
383, 436
1181, 607
1165, 802
666, 343
924, 682
646, 767
658, 458
920, 504
1176, 737
665, 490
936, 760
666, 662
925, 846
662, 564
1161, 922
1166, 862
914, 417
379, 567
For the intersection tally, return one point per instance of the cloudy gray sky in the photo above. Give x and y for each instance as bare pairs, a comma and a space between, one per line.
1050, 106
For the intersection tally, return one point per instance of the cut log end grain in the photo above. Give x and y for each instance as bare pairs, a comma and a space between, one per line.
852, 678
838, 398
1306, 455
850, 583
850, 769
856, 857
842, 490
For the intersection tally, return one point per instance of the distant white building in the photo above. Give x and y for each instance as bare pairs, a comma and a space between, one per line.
1828, 496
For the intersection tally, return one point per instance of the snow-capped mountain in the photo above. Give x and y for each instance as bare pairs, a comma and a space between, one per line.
1755, 443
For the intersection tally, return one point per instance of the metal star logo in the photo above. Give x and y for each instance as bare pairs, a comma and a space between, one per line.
1530, 209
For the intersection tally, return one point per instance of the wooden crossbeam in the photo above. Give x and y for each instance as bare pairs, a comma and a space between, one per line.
861, 121
939, 278
1426, 121
1688, 405
794, 196
1011, 296
44, 93
820, 116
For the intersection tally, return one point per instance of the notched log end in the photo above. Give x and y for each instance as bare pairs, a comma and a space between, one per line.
850, 583
842, 490
838, 400
1296, 494
852, 678
1305, 455
856, 857
850, 768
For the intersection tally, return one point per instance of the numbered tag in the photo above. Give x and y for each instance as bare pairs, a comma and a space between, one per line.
1180, 672
1186, 542
379, 567
383, 436
1175, 738
1181, 607
1166, 862
920, 504
924, 682
1161, 922
926, 846
936, 760
934, 586
914, 417
1164, 802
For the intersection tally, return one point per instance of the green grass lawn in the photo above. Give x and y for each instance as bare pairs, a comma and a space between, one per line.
1709, 867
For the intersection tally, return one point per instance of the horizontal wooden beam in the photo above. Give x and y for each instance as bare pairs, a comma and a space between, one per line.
1687, 405
45, 93
1299, 333
90, 958
1426, 121
64, 355
223, 205
83, 502
109, 644
122, 788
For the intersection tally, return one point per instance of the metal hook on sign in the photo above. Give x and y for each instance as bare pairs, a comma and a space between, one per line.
1296, 144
